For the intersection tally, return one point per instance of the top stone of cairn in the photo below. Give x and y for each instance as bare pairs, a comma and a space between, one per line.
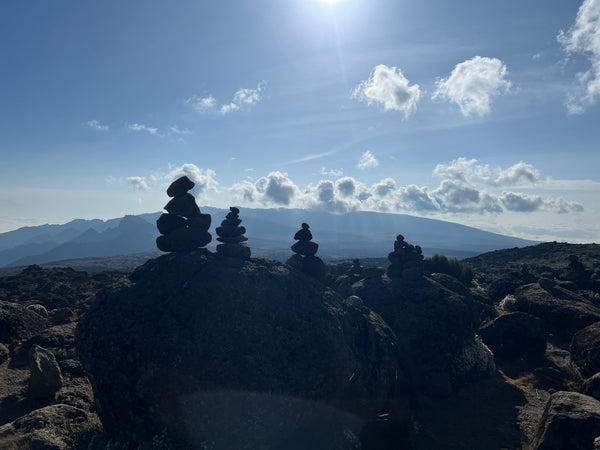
180, 186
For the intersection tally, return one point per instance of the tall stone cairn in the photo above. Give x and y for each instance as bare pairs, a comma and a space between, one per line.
183, 227
406, 260
231, 234
305, 251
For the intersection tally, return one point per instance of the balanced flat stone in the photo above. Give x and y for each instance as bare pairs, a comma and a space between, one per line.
183, 205
168, 223
180, 186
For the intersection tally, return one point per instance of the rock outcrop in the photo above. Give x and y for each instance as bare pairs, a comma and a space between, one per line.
199, 334
305, 250
570, 421
231, 236
183, 227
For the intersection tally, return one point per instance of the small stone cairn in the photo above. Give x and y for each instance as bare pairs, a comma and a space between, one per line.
406, 260
232, 236
183, 227
305, 251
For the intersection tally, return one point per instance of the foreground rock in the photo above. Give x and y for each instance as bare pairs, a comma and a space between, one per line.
46, 377
53, 427
585, 350
570, 421
17, 323
232, 351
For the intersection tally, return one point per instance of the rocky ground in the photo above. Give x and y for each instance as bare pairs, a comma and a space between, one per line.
410, 352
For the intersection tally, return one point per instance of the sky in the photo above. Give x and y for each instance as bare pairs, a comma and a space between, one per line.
480, 113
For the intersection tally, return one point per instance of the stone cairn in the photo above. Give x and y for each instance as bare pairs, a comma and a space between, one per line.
183, 227
406, 260
305, 251
232, 236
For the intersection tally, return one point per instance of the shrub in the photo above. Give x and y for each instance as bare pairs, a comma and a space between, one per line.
441, 264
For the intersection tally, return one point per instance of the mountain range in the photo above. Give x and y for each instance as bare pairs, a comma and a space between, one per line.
270, 233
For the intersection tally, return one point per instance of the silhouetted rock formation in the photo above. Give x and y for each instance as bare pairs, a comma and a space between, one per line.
231, 234
305, 259
46, 377
242, 353
515, 335
183, 227
406, 260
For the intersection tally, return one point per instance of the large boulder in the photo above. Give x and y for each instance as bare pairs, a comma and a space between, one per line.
199, 333
18, 323
563, 312
46, 377
434, 327
570, 421
515, 335
53, 427
585, 350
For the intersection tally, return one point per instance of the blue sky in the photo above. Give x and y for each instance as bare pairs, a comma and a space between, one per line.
481, 113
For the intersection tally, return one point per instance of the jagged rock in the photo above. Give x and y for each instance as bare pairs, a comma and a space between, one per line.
570, 421
4, 353
591, 386
39, 309
180, 186
46, 378
55, 427
585, 350
515, 335
18, 323
184, 205
202, 333
563, 312
167, 223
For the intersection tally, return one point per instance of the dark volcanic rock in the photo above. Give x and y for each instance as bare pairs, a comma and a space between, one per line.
585, 350
18, 323
51, 428
4, 353
591, 386
570, 421
46, 378
167, 223
515, 335
434, 327
563, 312
198, 331
184, 205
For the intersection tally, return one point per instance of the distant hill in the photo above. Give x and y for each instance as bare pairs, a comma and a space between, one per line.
270, 233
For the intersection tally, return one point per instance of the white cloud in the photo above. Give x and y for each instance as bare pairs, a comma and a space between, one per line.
518, 202
584, 38
205, 179
473, 83
96, 125
138, 183
388, 87
367, 160
245, 97
346, 186
516, 173
179, 131
141, 127
202, 104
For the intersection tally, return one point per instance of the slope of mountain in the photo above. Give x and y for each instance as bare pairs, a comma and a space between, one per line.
270, 233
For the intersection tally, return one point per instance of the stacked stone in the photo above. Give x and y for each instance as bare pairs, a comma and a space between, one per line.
305, 251
183, 227
406, 260
232, 236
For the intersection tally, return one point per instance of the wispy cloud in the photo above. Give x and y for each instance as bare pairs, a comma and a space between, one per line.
141, 127
96, 125
583, 38
242, 98
472, 85
332, 172
389, 88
